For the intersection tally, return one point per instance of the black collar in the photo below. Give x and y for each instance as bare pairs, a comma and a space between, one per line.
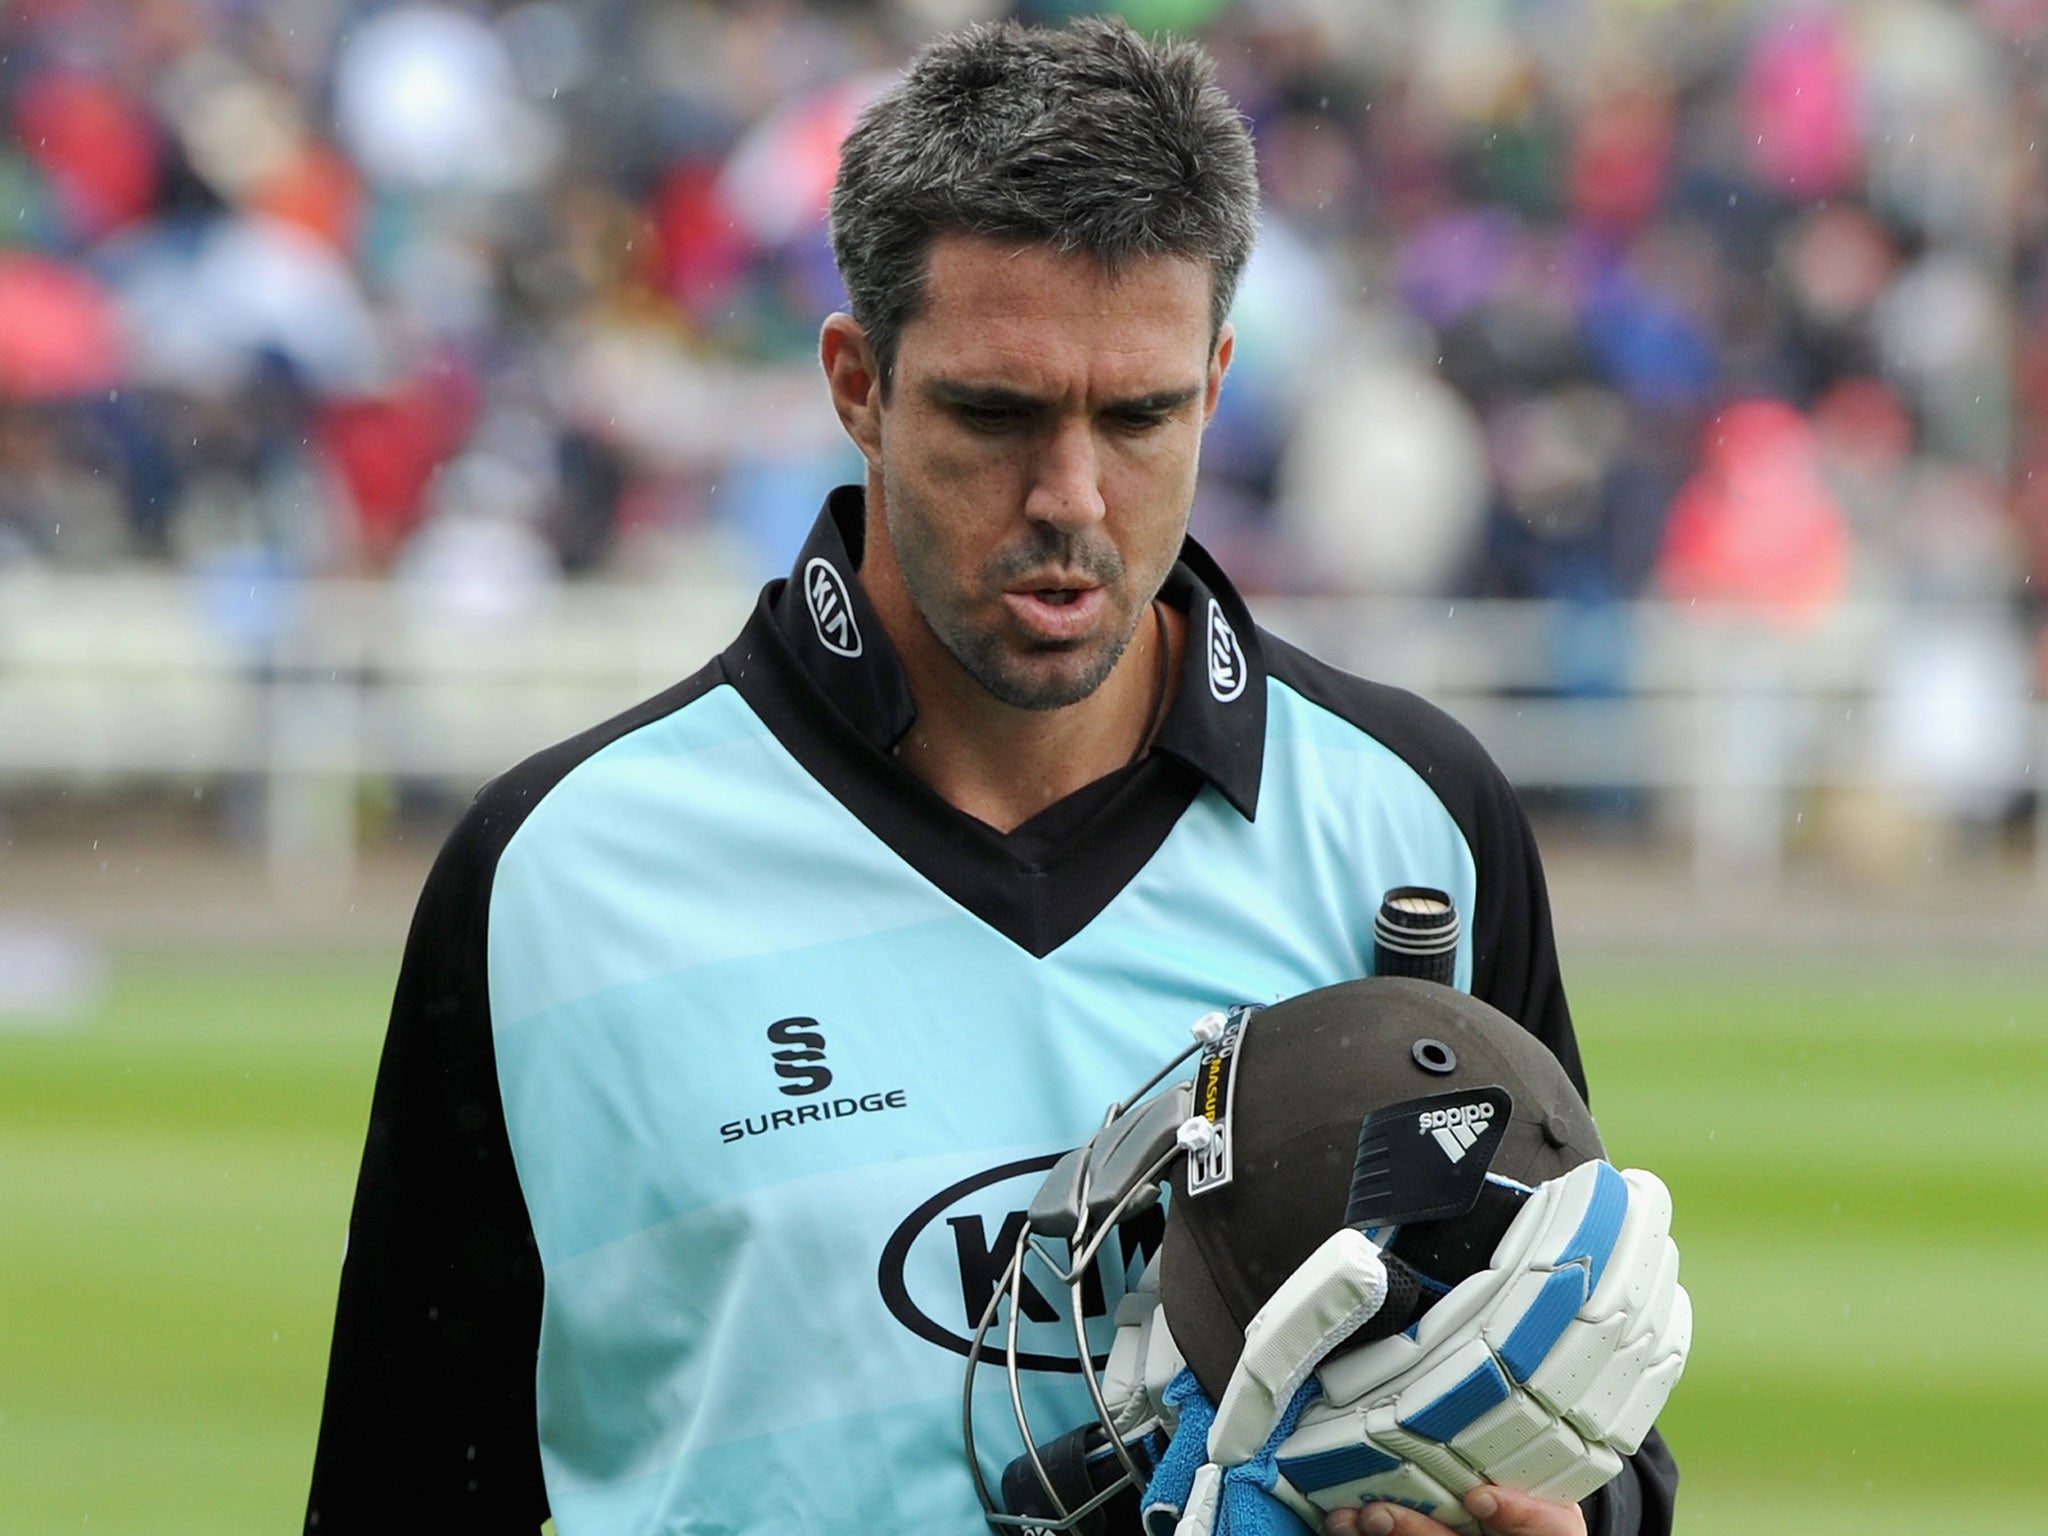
1217, 725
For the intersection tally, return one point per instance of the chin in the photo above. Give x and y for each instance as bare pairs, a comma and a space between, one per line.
1044, 687
1040, 692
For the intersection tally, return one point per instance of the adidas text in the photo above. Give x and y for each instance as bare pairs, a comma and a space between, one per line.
1458, 1114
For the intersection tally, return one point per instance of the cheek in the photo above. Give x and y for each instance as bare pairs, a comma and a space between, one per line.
933, 512
957, 475
1154, 480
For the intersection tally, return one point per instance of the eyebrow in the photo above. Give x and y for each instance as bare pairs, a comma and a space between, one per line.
999, 397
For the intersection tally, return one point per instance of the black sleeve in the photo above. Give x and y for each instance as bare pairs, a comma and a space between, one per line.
429, 1412
1514, 952
1642, 1500
1514, 945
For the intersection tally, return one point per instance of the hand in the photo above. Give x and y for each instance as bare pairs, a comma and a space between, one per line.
1503, 1511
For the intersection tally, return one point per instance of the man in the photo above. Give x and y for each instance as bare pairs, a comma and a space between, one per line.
732, 1035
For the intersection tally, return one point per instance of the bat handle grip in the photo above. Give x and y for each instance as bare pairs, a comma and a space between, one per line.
1416, 934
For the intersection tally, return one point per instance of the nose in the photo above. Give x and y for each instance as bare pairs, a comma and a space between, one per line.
1066, 488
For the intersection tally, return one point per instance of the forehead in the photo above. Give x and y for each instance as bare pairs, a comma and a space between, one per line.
1030, 315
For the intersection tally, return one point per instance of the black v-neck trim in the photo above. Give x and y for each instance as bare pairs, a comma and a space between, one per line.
1037, 886
814, 664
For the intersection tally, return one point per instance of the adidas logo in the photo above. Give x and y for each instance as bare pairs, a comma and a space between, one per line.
1457, 1128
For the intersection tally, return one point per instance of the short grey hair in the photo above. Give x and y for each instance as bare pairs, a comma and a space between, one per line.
1088, 139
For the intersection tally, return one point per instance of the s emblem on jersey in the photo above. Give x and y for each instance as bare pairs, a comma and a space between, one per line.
800, 1060
831, 608
1227, 667
802, 1057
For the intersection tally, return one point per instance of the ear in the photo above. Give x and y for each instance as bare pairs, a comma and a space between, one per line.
1219, 364
855, 379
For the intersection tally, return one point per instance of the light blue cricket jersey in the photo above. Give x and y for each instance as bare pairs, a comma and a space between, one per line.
782, 1044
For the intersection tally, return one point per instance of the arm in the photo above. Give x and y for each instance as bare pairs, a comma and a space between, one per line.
1514, 942
429, 1409
1515, 967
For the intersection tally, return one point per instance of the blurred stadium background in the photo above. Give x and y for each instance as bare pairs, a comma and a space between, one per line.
1662, 385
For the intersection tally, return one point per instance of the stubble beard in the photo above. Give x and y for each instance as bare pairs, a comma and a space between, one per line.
982, 652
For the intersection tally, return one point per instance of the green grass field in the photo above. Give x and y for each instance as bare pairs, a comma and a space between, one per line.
1859, 1154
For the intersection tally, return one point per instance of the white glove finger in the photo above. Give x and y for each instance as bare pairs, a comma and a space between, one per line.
1123, 1378
1653, 1315
1330, 1297
1640, 1246
1621, 1410
1143, 1360
1163, 1361
1548, 1331
1611, 1370
1333, 1464
1557, 1464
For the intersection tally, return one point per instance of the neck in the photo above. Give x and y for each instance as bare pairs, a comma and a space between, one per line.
1003, 765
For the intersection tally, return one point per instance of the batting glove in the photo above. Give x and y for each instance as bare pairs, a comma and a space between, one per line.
1540, 1372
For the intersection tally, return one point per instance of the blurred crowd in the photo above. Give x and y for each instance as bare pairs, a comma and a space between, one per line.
1586, 299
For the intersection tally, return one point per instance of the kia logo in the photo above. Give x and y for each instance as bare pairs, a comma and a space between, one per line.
1227, 669
966, 1234
831, 608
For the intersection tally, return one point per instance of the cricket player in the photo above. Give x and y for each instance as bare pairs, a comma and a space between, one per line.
733, 1034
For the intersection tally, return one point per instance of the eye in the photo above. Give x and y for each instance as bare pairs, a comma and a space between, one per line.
1140, 421
988, 418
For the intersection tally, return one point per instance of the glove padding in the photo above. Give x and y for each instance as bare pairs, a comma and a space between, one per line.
1540, 1372
1143, 1360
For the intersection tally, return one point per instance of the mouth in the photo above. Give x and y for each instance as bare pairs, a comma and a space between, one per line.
1050, 583
1053, 611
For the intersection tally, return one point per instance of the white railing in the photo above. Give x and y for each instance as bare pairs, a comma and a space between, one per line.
309, 689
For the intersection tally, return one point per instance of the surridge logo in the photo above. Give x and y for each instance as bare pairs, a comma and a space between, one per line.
831, 607
1456, 1129
801, 1061
802, 1057
1227, 667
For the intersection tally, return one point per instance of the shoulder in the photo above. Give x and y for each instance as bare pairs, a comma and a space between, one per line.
503, 805
1434, 745
1514, 950
1514, 956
